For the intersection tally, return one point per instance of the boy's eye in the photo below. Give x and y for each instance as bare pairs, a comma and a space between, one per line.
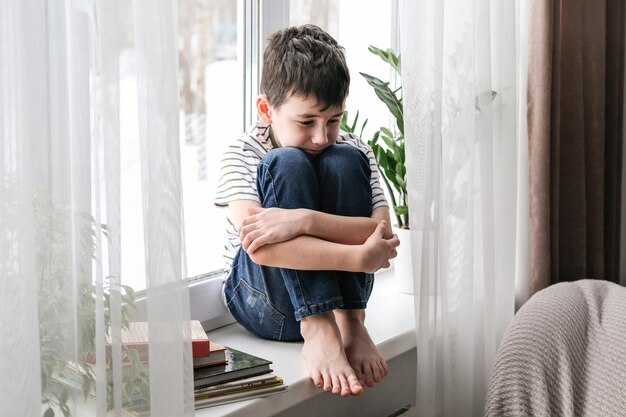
306, 123
333, 121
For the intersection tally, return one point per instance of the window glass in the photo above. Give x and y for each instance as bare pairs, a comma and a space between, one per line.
211, 116
323, 13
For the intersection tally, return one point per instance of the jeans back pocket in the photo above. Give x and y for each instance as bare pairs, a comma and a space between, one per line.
253, 311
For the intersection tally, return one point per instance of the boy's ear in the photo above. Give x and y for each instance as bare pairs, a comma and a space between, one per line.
263, 108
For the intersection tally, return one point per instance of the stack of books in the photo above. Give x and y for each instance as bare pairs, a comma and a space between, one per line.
227, 375
221, 374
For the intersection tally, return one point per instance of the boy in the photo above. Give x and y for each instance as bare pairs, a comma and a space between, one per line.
309, 224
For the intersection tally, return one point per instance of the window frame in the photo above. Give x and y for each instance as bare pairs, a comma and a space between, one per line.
256, 21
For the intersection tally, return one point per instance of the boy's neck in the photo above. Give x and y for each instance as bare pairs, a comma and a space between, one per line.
275, 143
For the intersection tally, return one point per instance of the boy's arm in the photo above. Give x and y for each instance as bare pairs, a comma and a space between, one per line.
346, 229
288, 240
311, 253
273, 225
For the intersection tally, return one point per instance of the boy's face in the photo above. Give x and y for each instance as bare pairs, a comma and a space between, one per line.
302, 122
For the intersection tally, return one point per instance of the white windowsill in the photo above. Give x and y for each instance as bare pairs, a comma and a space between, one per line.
390, 321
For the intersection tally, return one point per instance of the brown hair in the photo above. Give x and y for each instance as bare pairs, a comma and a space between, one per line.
306, 61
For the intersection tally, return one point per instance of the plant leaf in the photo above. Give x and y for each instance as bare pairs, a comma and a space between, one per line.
346, 127
389, 142
133, 355
384, 93
386, 131
388, 56
400, 180
381, 157
49, 413
374, 139
356, 119
401, 210
401, 170
362, 128
398, 155
145, 391
344, 122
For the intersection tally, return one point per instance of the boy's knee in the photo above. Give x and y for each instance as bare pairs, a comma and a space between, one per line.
345, 161
291, 159
289, 165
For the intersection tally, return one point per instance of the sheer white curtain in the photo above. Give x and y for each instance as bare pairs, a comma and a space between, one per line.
464, 99
62, 142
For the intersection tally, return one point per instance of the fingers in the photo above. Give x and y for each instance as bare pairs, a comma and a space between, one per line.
254, 210
252, 216
380, 228
247, 232
247, 236
395, 241
254, 240
256, 244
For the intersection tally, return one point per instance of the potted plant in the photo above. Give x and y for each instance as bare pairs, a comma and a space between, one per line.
388, 146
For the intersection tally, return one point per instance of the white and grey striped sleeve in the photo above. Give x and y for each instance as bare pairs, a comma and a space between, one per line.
237, 177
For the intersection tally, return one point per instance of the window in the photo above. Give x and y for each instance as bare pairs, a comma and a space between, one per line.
221, 43
210, 86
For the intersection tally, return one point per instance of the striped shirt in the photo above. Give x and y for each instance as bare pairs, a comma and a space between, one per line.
237, 179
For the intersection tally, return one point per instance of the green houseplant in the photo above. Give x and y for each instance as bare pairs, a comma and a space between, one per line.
66, 369
388, 143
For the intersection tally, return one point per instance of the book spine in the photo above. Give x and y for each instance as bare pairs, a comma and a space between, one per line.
200, 348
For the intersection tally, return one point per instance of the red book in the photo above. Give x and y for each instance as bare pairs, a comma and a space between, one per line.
200, 345
216, 357
136, 337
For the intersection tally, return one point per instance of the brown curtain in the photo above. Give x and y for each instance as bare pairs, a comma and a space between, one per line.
575, 102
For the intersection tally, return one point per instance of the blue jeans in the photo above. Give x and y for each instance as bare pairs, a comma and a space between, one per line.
270, 302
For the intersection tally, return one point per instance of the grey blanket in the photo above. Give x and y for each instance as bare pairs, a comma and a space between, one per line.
564, 354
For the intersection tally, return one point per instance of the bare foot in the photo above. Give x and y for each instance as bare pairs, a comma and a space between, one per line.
362, 354
325, 357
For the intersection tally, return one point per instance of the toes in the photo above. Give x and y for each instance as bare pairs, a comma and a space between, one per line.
317, 379
359, 376
384, 367
376, 372
369, 376
328, 383
336, 385
345, 386
355, 386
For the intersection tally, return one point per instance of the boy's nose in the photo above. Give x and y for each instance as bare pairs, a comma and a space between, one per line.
320, 137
